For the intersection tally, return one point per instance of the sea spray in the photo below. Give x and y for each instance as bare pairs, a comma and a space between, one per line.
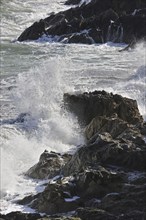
46, 125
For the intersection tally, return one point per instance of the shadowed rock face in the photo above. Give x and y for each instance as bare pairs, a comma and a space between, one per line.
99, 103
105, 178
128, 23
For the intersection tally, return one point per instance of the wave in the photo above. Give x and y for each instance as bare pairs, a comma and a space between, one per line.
42, 123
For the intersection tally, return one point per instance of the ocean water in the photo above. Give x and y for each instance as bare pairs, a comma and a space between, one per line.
34, 77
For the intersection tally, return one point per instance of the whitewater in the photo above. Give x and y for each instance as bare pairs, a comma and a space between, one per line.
34, 77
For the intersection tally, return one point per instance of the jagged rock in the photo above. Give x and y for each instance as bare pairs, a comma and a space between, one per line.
105, 150
97, 14
100, 103
49, 165
105, 178
113, 125
57, 198
34, 32
97, 182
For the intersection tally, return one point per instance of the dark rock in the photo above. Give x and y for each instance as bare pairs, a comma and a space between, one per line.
105, 178
133, 215
127, 23
33, 32
96, 35
80, 38
133, 26
97, 182
49, 165
26, 216
105, 20
72, 2
100, 103
115, 126
106, 151
94, 214
20, 216
57, 198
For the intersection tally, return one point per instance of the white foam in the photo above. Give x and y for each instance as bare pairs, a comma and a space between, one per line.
47, 126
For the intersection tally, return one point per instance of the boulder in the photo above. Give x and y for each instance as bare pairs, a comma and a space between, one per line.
49, 165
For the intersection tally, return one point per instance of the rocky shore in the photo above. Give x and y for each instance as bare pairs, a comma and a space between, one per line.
95, 21
105, 179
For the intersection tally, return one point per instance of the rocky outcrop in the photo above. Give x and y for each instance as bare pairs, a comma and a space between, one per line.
100, 103
49, 165
104, 20
106, 177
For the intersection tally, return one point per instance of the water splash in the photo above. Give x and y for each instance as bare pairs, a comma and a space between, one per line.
47, 125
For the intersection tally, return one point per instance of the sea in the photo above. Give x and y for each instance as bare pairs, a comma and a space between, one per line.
34, 77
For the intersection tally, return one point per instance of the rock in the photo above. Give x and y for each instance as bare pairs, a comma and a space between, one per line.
33, 32
20, 216
80, 38
96, 35
105, 20
104, 150
72, 2
30, 216
133, 26
128, 21
100, 103
115, 126
97, 182
49, 165
94, 214
105, 178
57, 198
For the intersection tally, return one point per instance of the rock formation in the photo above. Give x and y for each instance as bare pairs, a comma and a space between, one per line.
106, 177
97, 21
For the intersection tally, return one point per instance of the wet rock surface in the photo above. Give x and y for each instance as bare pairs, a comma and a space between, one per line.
100, 103
49, 165
106, 177
117, 21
